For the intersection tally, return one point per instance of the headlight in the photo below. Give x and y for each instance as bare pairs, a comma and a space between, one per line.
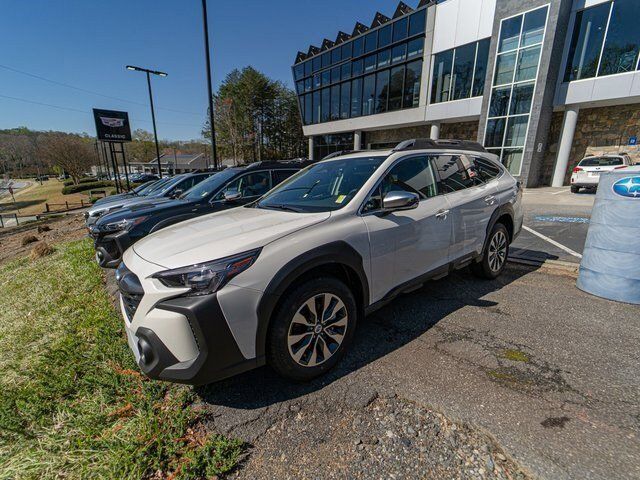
126, 224
208, 277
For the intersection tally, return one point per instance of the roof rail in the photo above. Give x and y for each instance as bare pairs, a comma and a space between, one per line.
339, 153
429, 144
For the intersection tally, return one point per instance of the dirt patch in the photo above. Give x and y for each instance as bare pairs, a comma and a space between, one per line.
389, 438
18, 241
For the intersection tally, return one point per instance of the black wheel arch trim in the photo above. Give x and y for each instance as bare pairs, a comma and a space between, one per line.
506, 209
334, 253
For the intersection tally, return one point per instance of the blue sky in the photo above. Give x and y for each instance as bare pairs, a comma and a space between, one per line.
86, 43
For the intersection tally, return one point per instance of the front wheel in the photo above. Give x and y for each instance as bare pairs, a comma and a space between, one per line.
311, 329
494, 257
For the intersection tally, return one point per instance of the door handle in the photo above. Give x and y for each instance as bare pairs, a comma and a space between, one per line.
442, 214
490, 199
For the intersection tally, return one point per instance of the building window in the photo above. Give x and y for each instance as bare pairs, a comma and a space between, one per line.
335, 102
463, 71
514, 80
417, 23
384, 36
370, 41
460, 72
400, 29
592, 54
324, 145
317, 117
621, 46
308, 110
396, 85
382, 91
326, 104
368, 94
412, 85
354, 78
356, 97
345, 99
480, 70
384, 58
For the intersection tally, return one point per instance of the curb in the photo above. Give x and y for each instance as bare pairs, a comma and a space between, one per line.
556, 265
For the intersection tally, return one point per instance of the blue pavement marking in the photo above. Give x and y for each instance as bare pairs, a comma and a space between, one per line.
550, 218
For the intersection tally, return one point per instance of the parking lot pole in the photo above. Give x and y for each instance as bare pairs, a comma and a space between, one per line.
214, 152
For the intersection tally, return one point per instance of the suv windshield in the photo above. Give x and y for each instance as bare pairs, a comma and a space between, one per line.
601, 162
322, 187
208, 186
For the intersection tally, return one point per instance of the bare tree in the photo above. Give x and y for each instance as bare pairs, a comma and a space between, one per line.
70, 153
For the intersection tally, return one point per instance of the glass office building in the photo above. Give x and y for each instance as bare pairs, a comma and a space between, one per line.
539, 83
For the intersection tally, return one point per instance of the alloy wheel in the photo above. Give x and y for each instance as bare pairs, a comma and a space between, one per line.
317, 329
497, 251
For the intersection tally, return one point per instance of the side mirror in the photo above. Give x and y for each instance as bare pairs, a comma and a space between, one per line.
232, 195
176, 193
394, 201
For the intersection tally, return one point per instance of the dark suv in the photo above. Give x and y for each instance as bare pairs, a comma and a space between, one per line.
232, 187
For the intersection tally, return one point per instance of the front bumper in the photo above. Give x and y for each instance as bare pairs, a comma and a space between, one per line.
207, 349
110, 248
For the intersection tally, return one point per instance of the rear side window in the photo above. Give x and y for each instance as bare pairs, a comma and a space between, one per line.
189, 182
485, 169
601, 161
452, 176
250, 185
280, 176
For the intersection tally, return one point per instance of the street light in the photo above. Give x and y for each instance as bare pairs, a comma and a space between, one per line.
153, 115
205, 21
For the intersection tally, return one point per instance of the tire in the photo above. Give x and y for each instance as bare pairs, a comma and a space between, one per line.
575, 189
494, 255
289, 343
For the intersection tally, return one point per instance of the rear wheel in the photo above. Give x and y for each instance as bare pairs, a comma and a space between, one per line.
311, 329
494, 257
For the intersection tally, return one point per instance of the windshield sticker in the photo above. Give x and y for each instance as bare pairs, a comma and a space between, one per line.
340, 198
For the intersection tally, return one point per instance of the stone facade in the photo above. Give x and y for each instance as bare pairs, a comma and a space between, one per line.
459, 131
599, 131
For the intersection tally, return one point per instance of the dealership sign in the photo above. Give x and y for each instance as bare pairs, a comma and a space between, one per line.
112, 126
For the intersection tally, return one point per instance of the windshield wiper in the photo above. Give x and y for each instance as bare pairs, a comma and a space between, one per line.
280, 207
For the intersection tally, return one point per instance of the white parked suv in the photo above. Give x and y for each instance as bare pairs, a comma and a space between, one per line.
285, 279
587, 173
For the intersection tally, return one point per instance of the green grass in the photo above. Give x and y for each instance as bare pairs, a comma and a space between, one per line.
72, 403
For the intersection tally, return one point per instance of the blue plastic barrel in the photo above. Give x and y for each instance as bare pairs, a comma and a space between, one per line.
610, 266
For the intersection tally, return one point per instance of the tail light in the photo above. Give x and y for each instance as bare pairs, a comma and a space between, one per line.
621, 166
577, 169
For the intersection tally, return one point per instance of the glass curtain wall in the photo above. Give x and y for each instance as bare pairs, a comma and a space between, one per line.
376, 72
513, 86
460, 72
605, 41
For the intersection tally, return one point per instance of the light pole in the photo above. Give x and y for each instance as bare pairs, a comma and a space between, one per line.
205, 21
153, 115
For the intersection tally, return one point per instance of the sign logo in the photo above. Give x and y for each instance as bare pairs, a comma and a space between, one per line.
633, 141
112, 126
627, 187
112, 122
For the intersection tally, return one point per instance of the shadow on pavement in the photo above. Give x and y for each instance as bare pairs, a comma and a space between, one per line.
408, 317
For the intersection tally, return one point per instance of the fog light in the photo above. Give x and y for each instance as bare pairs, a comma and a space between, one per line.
146, 353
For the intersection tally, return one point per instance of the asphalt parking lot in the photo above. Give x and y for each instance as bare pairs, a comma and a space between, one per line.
549, 372
556, 223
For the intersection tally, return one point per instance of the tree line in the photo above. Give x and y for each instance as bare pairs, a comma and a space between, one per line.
256, 118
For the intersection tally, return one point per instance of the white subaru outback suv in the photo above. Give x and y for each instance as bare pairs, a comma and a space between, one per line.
284, 280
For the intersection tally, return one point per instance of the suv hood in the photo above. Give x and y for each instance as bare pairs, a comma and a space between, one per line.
141, 209
221, 234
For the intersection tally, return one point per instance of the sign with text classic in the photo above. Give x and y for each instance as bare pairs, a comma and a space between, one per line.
112, 126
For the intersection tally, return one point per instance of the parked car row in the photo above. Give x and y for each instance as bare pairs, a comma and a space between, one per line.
276, 263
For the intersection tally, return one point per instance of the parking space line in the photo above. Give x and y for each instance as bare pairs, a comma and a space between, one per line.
558, 193
552, 242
